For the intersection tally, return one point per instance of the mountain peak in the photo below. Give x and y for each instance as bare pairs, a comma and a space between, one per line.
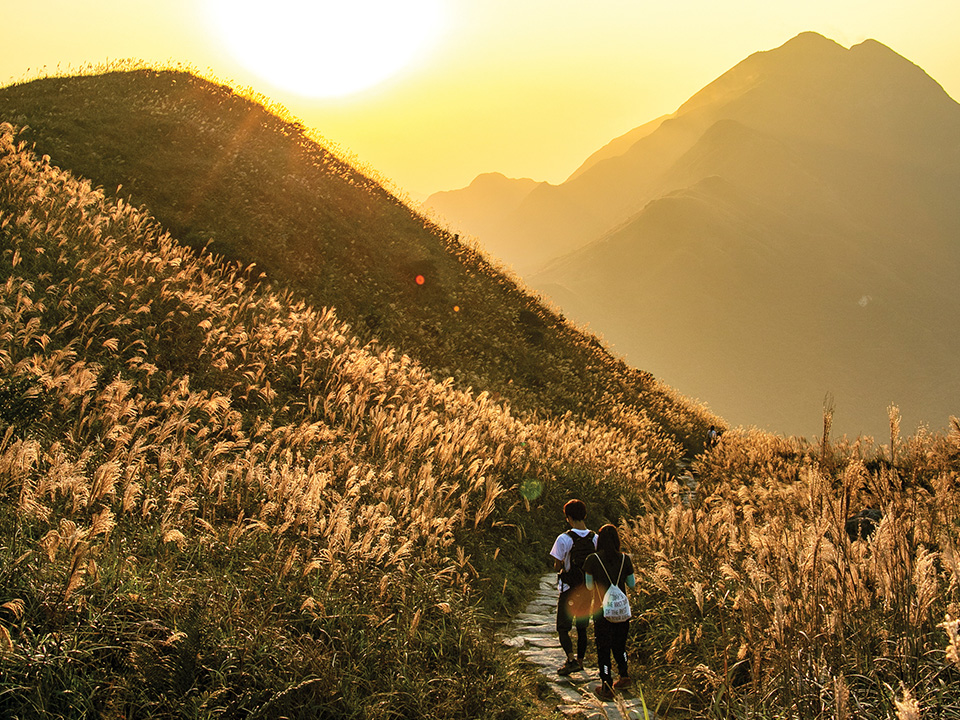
498, 179
805, 54
871, 44
810, 40
871, 52
868, 97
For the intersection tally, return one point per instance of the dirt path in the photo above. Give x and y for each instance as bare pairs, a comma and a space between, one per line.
534, 634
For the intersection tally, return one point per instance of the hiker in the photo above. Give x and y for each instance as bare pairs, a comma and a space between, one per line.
713, 437
569, 551
606, 567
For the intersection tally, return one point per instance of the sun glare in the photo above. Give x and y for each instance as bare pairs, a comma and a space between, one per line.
319, 48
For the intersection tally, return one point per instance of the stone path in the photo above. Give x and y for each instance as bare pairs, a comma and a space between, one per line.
534, 634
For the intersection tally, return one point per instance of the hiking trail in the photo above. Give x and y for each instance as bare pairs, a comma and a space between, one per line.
534, 634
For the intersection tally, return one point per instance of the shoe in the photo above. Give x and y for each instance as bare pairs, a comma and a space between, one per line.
570, 666
623, 683
603, 692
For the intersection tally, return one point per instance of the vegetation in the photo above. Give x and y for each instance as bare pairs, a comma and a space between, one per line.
761, 599
218, 499
220, 503
220, 172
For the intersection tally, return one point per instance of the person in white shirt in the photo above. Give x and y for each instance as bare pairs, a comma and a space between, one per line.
574, 607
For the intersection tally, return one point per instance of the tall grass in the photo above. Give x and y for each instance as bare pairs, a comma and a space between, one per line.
759, 603
219, 502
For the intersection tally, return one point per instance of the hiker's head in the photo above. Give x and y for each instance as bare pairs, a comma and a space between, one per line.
608, 540
575, 510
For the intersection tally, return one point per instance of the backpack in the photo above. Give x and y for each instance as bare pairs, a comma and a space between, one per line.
583, 548
616, 604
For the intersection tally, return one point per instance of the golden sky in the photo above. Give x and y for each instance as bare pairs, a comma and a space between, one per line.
529, 88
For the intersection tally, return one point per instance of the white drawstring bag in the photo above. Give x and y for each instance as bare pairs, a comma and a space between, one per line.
616, 604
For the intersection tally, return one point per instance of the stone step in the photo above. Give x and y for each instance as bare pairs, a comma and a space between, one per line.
542, 629
533, 634
535, 618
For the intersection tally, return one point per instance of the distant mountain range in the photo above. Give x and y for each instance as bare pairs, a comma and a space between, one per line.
791, 232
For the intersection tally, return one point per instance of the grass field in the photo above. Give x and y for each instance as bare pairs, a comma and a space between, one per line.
218, 502
221, 500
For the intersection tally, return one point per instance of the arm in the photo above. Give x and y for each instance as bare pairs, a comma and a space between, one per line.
631, 580
561, 546
588, 580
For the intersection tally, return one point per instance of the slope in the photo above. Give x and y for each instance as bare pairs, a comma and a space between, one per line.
216, 502
222, 172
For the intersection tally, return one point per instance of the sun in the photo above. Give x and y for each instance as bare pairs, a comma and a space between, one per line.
325, 48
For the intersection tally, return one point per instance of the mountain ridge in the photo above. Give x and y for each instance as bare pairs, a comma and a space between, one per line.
600, 198
848, 159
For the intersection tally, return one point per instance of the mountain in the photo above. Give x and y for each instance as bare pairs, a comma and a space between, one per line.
223, 173
482, 206
487, 206
791, 231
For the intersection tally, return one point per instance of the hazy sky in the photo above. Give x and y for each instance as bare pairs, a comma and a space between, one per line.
529, 88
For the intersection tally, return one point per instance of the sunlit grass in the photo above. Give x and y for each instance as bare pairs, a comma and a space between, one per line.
221, 499
217, 498
757, 602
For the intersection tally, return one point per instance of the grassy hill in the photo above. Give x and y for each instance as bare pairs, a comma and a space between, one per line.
223, 173
219, 502
217, 481
218, 499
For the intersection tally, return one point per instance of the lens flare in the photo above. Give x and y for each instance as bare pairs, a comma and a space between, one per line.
531, 488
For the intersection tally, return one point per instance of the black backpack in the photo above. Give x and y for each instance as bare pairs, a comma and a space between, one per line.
583, 548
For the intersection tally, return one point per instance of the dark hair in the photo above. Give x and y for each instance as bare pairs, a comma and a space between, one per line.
575, 510
608, 543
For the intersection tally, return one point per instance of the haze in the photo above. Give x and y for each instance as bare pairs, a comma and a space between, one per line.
790, 231
527, 89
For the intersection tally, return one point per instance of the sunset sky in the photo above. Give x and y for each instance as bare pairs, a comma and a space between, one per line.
529, 88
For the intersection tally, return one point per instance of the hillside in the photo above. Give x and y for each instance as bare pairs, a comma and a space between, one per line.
221, 172
789, 232
211, 488
216, 501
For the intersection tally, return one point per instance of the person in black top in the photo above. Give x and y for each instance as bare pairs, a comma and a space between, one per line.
606, 567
